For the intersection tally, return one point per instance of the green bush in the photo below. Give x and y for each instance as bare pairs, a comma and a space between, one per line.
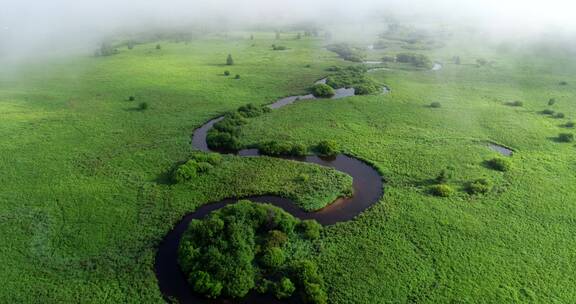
435, 104
226, 73
516, 103
548, 112
566, 137
349, 77
499, 164
211, 158
279, 47
559, 115
222, 140
273, 257
347, 52
284, 289
366, 89
229, 60
251, 110
310, 229
158, 47
327, 148
186, 171
275, 148
322, 90
569, 124
479, 186
441, 190
417, 60
131, 98
237, 76
551, 101
143, 106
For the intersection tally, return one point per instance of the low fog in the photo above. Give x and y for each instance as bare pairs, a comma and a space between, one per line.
39, 27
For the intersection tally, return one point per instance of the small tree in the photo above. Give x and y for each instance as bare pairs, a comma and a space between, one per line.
143, 106
327, 148
551, 101
322, 90
158, 47
252, 37
441, 190
299, 36
435, 104
237, 76
479, 186
499, 164
226, 73
229, 60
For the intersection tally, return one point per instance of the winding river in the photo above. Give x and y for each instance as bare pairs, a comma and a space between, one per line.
367, 190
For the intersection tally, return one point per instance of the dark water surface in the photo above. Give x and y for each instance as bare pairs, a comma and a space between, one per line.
367, 187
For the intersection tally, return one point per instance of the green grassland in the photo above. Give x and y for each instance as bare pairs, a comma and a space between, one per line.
510, 245
84, 202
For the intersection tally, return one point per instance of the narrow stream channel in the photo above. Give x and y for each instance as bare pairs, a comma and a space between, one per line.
367, 190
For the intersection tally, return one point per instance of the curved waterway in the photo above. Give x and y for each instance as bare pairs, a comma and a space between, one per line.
367, 187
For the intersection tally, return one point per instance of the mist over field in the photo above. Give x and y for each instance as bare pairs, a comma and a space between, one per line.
34, 27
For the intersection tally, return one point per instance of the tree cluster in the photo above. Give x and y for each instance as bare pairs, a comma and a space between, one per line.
224, 135
248, 246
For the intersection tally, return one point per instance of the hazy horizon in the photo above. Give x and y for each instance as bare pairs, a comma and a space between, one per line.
31, 26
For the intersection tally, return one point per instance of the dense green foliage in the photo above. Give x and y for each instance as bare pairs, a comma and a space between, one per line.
417, 60
198, 163
479, 186
322, 90
275, 148
566, 137
224, 134
246, 246
327, 148
500, 164
347, 52
442, 190
355, 77
515, 103
435, 104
